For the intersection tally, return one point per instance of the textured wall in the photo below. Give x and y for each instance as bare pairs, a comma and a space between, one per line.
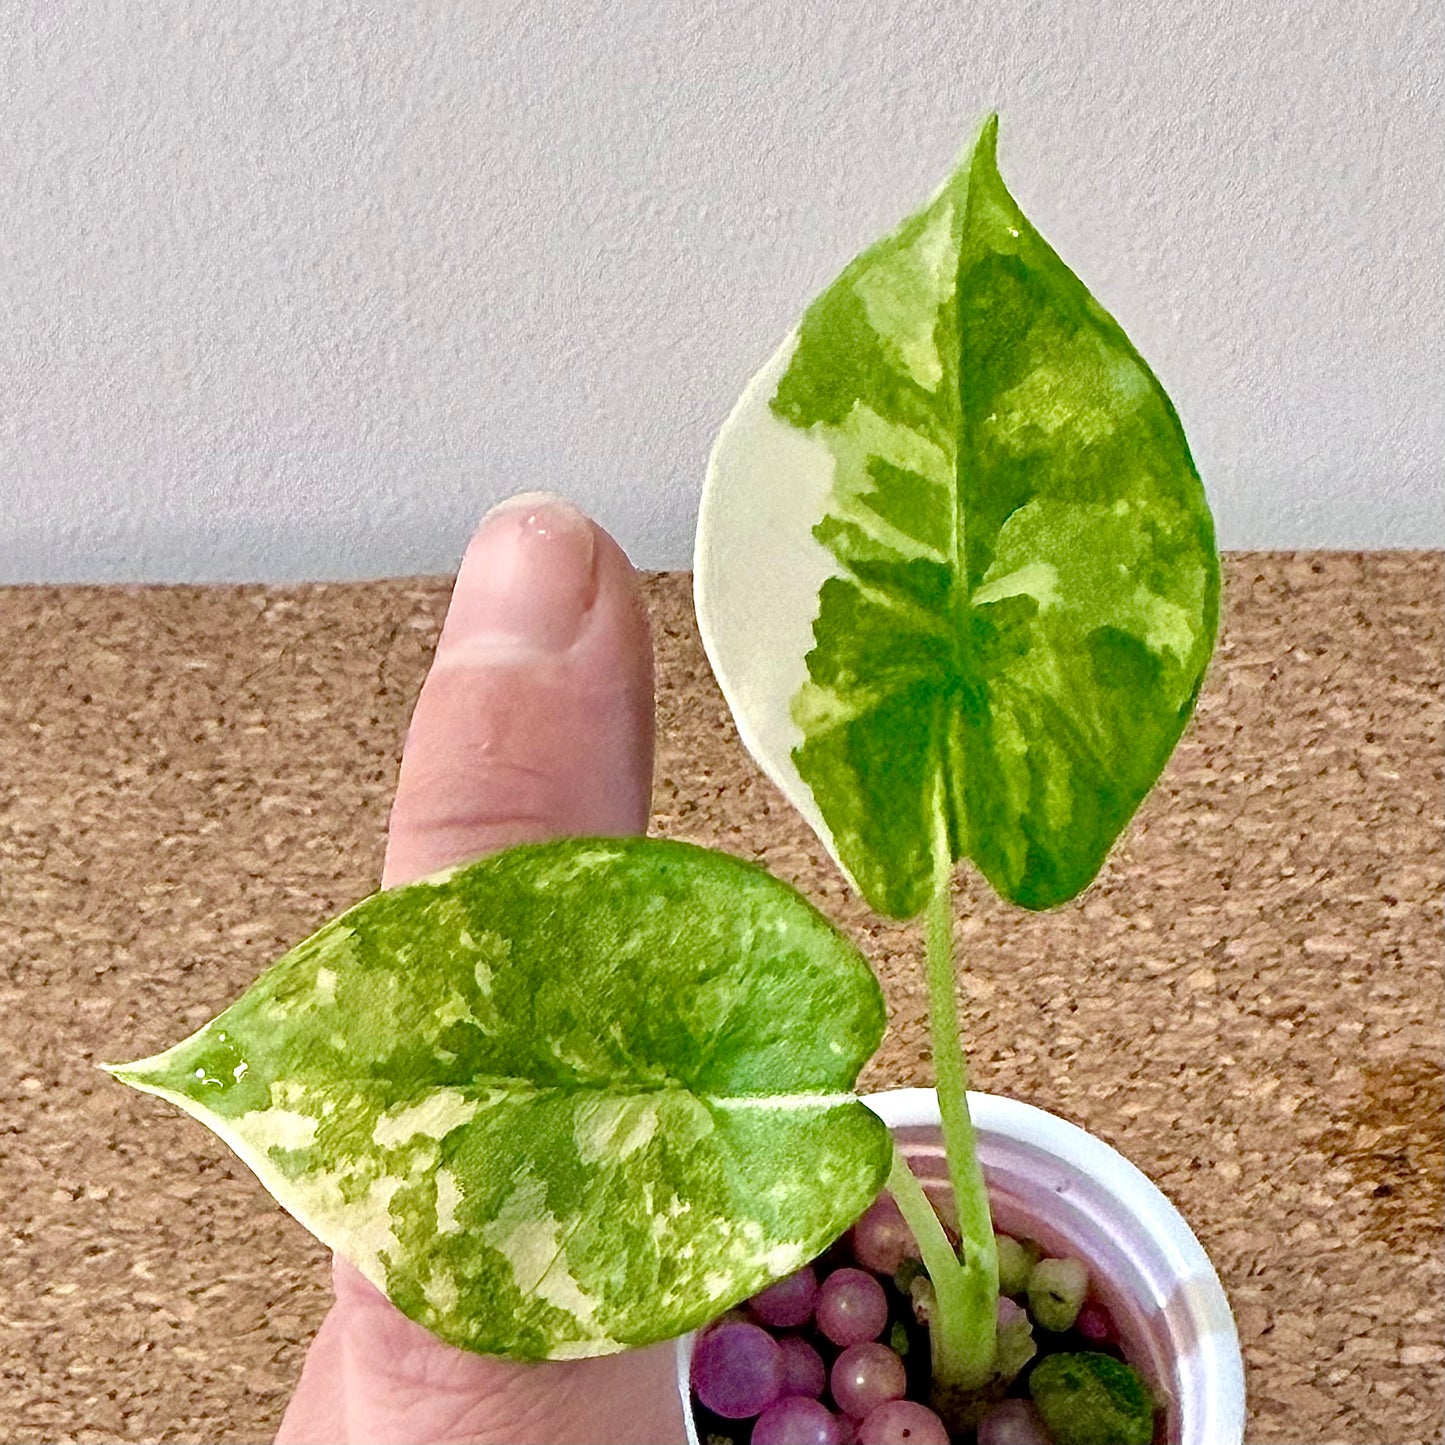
294, 289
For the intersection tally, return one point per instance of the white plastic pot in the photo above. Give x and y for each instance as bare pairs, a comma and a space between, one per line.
1050, 1181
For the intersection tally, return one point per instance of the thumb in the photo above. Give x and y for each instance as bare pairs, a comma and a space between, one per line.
534, 721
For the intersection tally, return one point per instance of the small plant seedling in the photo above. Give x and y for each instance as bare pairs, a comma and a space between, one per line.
956, 576
957, 579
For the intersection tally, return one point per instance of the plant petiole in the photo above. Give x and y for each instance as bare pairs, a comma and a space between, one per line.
976, 1298
947, 1333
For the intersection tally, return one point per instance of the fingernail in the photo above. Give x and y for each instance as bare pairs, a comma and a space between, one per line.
526, 577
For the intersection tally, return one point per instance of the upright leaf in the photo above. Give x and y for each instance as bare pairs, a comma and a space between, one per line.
955, 569
567, 1099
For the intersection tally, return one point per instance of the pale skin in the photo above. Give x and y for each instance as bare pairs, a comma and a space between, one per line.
534, 722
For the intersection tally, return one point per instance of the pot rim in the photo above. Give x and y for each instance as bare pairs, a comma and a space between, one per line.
1216, 1389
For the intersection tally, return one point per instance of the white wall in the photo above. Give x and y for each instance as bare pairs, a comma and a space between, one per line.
295, 289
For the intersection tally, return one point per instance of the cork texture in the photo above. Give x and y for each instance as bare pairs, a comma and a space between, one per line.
1248, 1003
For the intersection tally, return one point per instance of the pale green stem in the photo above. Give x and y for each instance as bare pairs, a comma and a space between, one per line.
978, 1296
946, 1334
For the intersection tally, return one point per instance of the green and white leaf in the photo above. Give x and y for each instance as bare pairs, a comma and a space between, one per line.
955, 570
567, 1099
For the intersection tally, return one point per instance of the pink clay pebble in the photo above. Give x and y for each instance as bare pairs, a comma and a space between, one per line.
851, 1307
866, 1376
882, 1239
804, 1372
737, 1370
902, 1422
788, 1303
797, 1421
1012, 1422
1095, 1323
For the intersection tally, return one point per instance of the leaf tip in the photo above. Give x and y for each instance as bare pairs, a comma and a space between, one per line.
985, 148
132, 1073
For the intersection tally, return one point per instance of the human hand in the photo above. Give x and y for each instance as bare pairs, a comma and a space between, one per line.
535, 721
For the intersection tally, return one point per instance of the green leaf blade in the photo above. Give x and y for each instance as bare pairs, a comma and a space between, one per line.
1090, 554
572, 1098
1014, 586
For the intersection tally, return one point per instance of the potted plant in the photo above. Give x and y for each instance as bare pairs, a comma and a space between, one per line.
956, 577
1152, 1286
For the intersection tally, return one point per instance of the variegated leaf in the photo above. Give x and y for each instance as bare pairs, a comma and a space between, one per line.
570, 1098
955, 569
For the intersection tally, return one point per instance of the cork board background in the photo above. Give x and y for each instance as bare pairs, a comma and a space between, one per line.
1248, 1003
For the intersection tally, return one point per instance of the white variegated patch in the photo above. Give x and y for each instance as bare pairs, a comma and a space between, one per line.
757, 572
435, 1115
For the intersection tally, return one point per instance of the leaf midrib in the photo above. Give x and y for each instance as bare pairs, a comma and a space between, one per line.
951, 791
526, 1090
